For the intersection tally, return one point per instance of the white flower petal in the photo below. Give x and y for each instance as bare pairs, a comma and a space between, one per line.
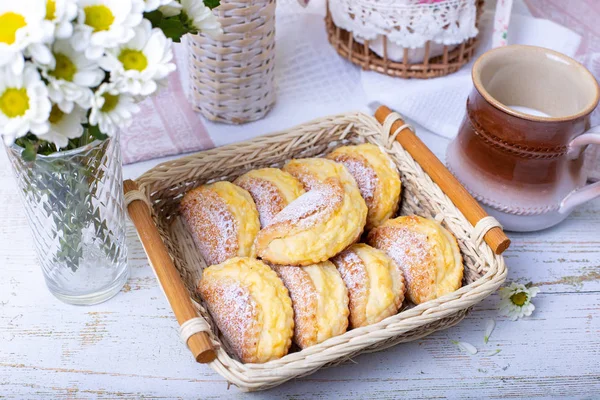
489, 328
40, 53
170, 9
17, 64
466, 347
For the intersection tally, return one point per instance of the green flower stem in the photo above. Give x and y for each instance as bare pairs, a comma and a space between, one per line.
69, 188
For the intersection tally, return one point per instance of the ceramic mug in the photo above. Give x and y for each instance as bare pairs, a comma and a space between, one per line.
520, 147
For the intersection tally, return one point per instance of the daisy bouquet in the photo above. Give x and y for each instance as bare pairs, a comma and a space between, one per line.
72, 71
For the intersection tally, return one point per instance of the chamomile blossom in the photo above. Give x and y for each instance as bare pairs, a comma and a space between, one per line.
104, 24
151, 5
60, 14
24, 104
202, 17
516, 300
64, 126
71, 77
21, 25
111, 109
137, 66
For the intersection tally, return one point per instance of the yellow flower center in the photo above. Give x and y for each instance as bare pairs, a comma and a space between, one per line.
55, 115
133, 59
98, 17
110, 102
50, 10
64, 69
14, 102
519, 299
10, 23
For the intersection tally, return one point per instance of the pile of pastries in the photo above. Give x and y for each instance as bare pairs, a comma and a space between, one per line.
285, 262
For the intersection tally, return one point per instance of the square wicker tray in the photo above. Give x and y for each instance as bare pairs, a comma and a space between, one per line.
165, 185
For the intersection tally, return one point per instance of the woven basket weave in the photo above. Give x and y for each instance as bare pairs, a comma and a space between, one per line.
232, 77
451, 59
165, 185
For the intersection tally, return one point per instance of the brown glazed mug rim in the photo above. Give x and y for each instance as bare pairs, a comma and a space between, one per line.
475, 76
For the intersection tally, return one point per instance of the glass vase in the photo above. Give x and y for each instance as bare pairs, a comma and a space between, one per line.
74, 203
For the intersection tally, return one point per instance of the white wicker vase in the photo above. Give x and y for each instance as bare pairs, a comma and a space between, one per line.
232, 76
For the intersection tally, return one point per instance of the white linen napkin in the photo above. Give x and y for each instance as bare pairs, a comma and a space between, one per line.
439, 104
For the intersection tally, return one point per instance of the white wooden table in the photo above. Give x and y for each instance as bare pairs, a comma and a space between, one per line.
128, 347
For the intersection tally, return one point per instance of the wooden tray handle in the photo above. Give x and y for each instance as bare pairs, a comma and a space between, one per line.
168, 276
463, 200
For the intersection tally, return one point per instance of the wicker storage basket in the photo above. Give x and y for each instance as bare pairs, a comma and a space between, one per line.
449, 60
232, 77
165, 185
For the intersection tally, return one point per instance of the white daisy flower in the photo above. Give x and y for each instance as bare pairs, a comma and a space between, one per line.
60, 14
71, 77
104, 24
21, 25
170, 9
24, 103
137, 65
201, 17
151, 5
516, 300
111, 110
64, 126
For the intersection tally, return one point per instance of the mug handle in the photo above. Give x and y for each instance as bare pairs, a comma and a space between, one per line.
588, 192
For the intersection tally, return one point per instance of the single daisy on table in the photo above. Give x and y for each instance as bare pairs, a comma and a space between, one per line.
111, 109
104, 24
21, 25
138, 65
201, 17
64, 126
516, 300
24, 103
71, 76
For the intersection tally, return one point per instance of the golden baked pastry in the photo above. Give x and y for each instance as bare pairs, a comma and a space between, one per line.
320, 301
318, 224
374, 281
426, 252
376, 176
272, 189
222, 219
251, 308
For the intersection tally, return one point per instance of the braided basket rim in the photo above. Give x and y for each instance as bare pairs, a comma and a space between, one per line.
450, 61
484, 270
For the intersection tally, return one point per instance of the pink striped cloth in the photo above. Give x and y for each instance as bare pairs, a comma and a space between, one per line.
166, 125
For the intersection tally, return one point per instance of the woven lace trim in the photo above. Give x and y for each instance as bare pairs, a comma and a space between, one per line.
407, 23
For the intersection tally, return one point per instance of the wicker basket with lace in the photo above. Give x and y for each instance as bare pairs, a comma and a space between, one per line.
405, 38
165, 185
